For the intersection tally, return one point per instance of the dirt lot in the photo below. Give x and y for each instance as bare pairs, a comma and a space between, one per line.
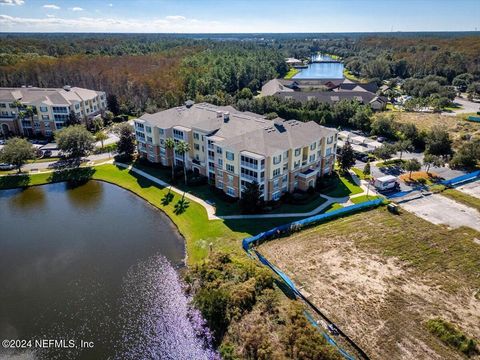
472, 189
380, 277
439, 209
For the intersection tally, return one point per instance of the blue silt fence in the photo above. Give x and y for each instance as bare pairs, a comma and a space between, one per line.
247, 243
462, 179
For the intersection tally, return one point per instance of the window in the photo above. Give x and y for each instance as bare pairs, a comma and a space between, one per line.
60, 117
196, 146
219, 150
276, 195
149, 129
3, 105
277, 159
60, 109
296, 165
161, 131
149, 139
230, 168
196, 136
48, 133
45, 117
46, 124
44, 108
220, 162
328, 151
220, 184
37, 124
139, 126
285, 155
140, 135
177, 134
330, 140
275, 184
276, 172
229, 155
312, 158
230, 191
313, 146
77, 106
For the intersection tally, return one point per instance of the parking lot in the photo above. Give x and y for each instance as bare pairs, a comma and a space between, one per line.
439, 210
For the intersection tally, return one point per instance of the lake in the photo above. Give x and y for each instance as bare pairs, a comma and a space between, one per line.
327, 70
93, 263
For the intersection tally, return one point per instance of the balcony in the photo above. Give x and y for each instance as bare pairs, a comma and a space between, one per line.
308, 173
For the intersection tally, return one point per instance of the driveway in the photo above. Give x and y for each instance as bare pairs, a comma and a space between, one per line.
472, 189
467, 107
439, 209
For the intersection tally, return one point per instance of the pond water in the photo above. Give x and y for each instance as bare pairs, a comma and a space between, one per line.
326, 70
92, 263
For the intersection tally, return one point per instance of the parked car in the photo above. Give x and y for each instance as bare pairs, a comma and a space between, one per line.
388, 182
381, 139
47, 153
5, 166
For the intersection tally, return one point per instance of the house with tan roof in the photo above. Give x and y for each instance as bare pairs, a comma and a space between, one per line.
51, 108
233, 148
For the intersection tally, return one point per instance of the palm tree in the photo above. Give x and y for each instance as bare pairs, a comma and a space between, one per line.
170, 144
101, 136
183, 148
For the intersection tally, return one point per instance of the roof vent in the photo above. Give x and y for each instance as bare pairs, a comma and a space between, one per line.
226, 116
189, 103
67, 88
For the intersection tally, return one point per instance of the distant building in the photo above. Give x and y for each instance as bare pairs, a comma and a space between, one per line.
233, 148
51, 108
294, 62
324, 91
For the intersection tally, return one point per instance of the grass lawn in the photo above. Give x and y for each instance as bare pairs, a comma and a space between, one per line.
342, 186
291, 73
376, 274
352, 77
360, 174
463, 198
299, 208
194, 225
363, 198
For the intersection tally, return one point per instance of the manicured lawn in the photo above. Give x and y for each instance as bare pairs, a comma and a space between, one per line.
291, 73
342, 186
193, 224
299, 208
363, 198
463, 198
360, 174
42, 160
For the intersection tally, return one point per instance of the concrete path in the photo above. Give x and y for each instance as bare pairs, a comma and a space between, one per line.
209, 208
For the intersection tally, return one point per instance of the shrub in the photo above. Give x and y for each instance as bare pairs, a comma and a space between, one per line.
451, 336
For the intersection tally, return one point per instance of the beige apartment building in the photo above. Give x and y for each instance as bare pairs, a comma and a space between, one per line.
233, 148
51, 108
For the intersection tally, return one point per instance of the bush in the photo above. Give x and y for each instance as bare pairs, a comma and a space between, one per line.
451, 336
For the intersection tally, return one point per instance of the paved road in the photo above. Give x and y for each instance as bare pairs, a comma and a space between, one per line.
46, 165
467, 107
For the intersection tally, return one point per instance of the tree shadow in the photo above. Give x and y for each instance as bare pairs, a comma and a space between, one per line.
73, 177
14, 181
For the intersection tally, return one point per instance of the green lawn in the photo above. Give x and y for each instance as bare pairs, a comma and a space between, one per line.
194, 225
342, 186
360, 174
42, 160
363, 198
291, 73
463, 198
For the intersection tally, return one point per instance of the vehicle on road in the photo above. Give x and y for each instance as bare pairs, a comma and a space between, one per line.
333, 329
388, 182
5, 166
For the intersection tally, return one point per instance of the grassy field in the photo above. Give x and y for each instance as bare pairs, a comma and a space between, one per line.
380, 277
291, 73
194, 225
343, 186
463, 198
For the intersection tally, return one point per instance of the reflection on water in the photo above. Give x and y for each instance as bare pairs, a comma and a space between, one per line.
64, 254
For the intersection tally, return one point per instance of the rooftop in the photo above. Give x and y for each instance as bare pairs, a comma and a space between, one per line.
48, 96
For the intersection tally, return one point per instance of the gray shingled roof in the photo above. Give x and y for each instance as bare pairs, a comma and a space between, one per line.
328, 96
51, 96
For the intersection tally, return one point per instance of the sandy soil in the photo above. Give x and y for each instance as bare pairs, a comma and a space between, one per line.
381, 301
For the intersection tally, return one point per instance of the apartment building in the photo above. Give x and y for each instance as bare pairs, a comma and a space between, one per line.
233, 148
51, 108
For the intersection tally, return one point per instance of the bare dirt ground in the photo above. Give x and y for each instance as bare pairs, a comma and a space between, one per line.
472, 189
439, 209
380, 277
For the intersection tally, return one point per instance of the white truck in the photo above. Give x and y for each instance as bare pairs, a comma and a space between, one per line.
387, 182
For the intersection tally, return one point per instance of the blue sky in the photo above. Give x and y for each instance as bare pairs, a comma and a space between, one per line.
210, 16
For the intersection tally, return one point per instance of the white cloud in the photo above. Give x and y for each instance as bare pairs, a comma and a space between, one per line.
51, 6
12, 2
169, 24
76, 8
111, 5
50, 15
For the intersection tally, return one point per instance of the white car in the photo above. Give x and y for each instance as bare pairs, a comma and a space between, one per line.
5, 166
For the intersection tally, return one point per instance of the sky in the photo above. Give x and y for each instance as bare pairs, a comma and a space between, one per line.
238, 16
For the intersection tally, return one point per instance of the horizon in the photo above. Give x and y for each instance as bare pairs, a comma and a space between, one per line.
238, 17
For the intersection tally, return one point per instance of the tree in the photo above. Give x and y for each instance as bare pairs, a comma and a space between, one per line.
462, 81
170, 145
385, 151
16, 152
384, 126
467, 156
403, 145
346, 158
245, 93
366, 169
75, 141
183, 148
251, 200
412, 165
112, 104
101, 136
73, 119
97, 124
126, 143
473, 90
432, 160
438, 142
